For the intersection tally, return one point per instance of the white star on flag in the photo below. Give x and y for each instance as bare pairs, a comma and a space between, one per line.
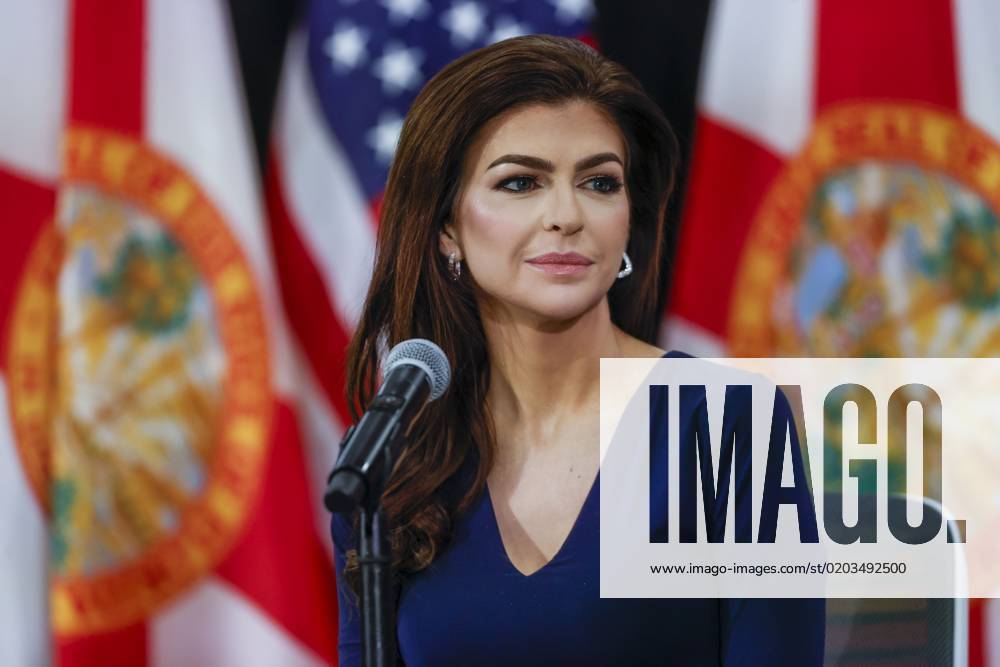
506, 27
346, 46
464, 21
572, 10
402, 11
399, 68
384, 136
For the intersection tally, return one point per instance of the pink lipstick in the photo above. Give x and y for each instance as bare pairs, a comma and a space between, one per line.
561, 264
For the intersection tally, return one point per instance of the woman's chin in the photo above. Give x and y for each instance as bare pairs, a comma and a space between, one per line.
562, 310
550, 303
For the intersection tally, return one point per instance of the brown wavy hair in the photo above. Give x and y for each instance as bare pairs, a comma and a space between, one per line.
411, 294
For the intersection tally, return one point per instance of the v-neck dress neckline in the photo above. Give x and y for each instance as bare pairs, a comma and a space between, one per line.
498, 535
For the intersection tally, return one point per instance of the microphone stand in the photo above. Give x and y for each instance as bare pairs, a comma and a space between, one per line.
378, 623
377, 606
357, 482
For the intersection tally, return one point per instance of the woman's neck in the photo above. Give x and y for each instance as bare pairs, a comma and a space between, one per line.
544, 374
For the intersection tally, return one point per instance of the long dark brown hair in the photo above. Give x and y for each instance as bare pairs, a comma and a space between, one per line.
411, 294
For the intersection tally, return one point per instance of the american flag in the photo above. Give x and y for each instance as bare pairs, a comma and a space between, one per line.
368, 60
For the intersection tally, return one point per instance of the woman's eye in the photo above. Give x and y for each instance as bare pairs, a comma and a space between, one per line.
604, 184
518, 184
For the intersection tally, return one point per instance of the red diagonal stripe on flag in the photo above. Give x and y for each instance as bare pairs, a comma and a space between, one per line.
730, 174
106, 64
28, 205
124, 647
278, 562
893, 49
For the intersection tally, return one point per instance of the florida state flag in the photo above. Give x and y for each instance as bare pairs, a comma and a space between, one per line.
153, 473
845, 192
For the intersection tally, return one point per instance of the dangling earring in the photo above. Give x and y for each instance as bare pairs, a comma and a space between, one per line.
454, 266
627, 271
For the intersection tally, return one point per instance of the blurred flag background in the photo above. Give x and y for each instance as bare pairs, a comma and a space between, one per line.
149, 379
190, 190
843, 201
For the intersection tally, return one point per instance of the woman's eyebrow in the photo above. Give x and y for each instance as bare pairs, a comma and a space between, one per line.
523, 160
594, 160
544, 165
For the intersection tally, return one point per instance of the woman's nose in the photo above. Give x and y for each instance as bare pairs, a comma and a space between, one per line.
562, 211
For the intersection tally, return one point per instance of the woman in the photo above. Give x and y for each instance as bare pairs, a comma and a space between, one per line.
521, 230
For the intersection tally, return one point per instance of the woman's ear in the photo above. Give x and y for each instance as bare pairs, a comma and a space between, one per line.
448, 241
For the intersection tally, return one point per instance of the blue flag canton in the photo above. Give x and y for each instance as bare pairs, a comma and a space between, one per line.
369, 58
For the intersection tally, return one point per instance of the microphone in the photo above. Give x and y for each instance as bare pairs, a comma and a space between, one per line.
415, 371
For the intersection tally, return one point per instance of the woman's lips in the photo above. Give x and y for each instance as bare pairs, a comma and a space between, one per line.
561, 264
561, 269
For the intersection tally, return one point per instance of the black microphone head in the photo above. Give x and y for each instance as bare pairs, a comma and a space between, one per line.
345, 491
425, 355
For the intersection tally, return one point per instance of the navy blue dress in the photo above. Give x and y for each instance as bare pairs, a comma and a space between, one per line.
472, 607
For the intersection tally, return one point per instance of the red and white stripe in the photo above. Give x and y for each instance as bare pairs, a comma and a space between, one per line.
755, 110
323, 234
770, 67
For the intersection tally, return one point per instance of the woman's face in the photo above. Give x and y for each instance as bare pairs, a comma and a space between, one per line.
544, 214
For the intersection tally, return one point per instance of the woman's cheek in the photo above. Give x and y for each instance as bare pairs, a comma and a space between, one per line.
613, 211
497, 226
483, 215
608, 223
